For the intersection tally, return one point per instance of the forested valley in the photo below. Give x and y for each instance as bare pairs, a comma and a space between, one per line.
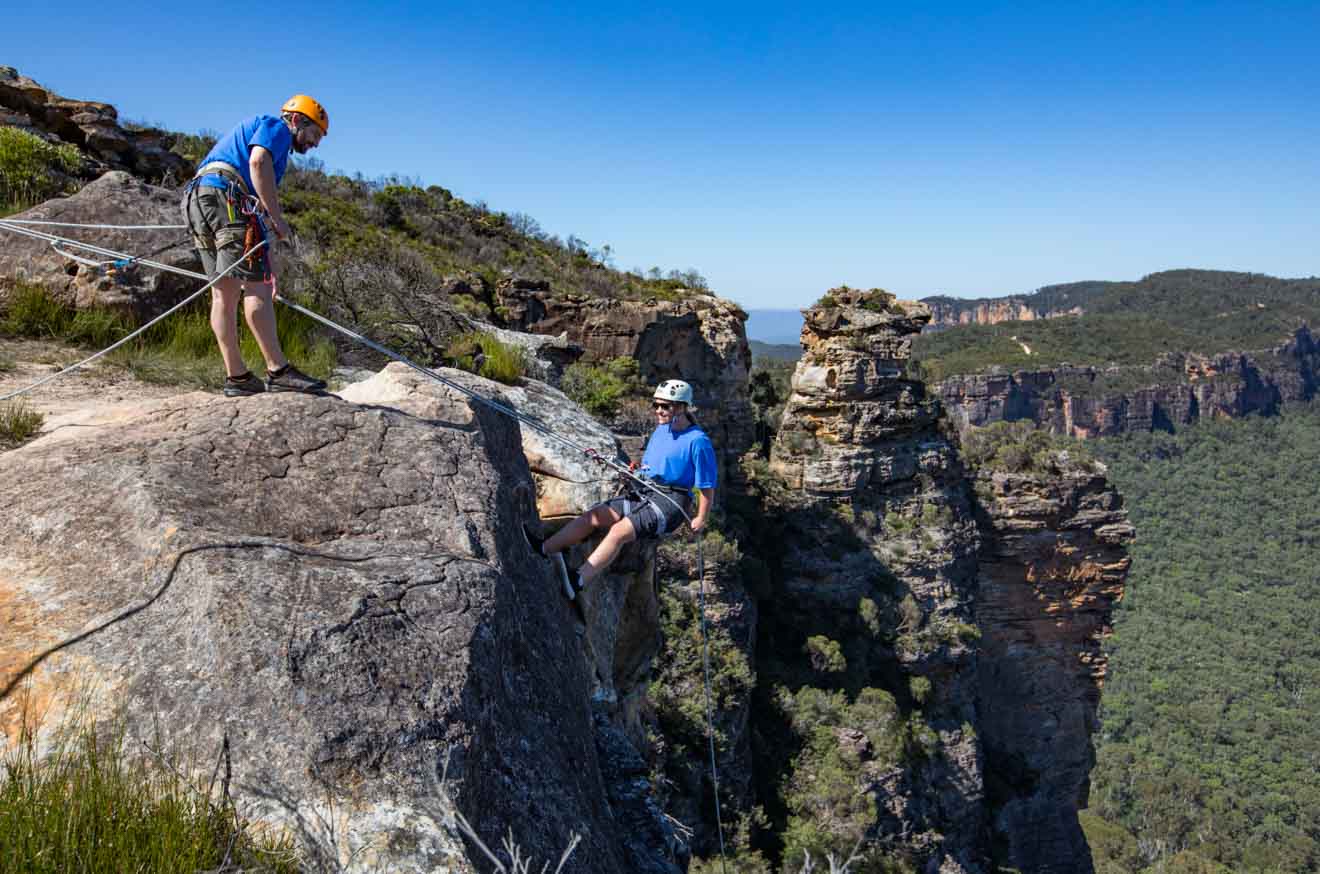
1209, 750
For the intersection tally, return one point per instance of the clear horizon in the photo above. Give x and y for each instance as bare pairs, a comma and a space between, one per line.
974, 150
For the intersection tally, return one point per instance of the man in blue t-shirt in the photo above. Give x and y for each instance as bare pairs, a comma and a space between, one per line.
679, 459
230, 206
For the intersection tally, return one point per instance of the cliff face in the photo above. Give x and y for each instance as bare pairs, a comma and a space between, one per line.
92, 127
1178, 390
1052, 565
947, 312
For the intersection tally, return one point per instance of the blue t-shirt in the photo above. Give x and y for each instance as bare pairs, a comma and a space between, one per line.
682, 459
235, 149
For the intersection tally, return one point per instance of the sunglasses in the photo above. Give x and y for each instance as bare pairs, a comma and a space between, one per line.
660, 406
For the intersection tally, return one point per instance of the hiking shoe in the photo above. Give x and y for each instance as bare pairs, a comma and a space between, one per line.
243, 385
290, 378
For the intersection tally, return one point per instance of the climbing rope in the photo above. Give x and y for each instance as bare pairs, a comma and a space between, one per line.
14, 221
621, 469
113, 346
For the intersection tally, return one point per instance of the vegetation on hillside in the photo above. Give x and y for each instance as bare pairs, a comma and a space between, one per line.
1023, 447
32, 170
453, 248
1131, 324
1209, 746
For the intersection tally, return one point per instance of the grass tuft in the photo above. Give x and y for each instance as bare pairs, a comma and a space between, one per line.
31, 169
484, 354
88, 806
18, 423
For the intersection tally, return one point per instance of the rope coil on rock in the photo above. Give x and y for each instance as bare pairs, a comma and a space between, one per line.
17, 226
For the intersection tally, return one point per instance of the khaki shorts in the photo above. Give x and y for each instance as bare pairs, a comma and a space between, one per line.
219, 228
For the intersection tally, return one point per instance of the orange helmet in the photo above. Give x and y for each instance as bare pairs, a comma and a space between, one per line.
310, 108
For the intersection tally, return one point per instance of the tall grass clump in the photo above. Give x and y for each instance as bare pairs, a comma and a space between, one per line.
18, 423
90, 807
179, 351
31, 169
34, 312
485, 355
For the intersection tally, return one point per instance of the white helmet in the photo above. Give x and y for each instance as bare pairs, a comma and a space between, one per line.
675, 390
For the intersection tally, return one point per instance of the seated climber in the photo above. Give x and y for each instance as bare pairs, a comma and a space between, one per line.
679, 457
229, 207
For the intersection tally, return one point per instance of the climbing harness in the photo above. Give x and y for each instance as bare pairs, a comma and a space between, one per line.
623, 470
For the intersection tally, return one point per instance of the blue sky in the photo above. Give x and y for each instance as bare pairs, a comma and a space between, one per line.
780, 149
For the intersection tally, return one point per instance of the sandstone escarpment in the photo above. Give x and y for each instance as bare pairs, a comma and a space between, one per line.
114, 199
1178, 390
1053, 564
948, 312
91, 126
342, 592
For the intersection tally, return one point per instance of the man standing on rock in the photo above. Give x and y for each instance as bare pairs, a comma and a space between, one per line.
679, 459
230, 206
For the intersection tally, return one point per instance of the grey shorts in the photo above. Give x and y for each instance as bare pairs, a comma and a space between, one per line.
652, 516
219, 229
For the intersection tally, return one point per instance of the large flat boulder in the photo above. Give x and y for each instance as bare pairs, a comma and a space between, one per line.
340, 591
114, 199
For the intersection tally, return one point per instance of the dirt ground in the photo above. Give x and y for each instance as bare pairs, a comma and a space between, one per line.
99, 384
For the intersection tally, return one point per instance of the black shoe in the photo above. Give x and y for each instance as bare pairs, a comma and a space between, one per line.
243, 385
572, 583
536, 543
290, 378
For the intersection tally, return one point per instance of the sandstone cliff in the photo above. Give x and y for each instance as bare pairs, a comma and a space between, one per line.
700, 339
91, 126
1051, 301
1052, 566
1177, 390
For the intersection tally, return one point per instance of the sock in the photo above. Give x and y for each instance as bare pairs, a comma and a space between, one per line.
240, 377
279, 370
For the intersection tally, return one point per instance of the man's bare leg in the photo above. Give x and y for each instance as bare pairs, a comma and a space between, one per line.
224, 316
259, 307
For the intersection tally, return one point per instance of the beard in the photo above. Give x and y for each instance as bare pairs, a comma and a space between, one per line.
299, 146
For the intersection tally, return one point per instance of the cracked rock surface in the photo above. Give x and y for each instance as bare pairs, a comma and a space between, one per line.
340, 590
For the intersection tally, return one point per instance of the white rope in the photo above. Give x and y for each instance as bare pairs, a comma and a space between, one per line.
14, 221
116, 345
99, 250
78, 259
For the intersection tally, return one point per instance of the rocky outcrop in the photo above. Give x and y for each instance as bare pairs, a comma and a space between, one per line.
700, 339
878, 556
1178, 390
91, 126
1053, 564
342, 593
114, 199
